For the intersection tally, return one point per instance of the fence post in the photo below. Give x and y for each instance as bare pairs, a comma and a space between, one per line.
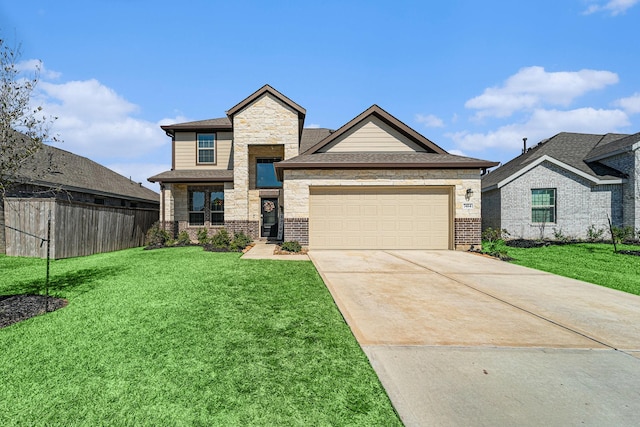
46, 280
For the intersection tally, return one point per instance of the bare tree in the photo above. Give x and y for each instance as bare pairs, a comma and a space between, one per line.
23, 127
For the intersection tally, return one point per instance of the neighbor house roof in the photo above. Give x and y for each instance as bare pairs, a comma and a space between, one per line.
194, 175
56, 168
566, 150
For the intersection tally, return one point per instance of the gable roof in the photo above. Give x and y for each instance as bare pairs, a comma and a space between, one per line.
434, 157
56, 168
566, 150
619, 145
387, 118
266, 89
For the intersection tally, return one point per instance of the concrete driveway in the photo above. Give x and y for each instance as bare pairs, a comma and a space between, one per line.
461, 339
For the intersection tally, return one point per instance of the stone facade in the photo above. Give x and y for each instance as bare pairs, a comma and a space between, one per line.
265, 127
297, 183
579, 204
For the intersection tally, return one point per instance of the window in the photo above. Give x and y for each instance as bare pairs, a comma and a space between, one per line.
206, 203
216, 200
266, 174
196, 207
543, 205
206, 148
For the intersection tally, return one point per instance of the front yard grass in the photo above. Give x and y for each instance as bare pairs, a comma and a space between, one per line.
183, 337
590, 262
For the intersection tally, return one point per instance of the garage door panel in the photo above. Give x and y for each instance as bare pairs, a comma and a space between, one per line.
379, 218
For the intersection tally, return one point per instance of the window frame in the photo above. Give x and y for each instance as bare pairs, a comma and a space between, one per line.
208, 212
551, 207
267, 160
191, 211
212, 149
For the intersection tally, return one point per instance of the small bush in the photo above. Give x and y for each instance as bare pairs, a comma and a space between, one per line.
493, 242
560, 236
183, 238
292, 246
594, 234
221, 239
622, 234
203, 236
240, 241
157, 236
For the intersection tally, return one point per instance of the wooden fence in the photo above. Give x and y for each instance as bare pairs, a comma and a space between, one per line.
77, 229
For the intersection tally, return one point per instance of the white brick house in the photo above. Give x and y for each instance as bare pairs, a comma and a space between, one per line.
566, 184
375, 183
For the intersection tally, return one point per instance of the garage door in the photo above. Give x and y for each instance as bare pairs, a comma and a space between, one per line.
379, 218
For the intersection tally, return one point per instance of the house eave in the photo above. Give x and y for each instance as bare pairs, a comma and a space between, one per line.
532, 165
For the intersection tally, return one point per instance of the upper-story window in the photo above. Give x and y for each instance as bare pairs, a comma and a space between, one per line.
266, 173
206, 148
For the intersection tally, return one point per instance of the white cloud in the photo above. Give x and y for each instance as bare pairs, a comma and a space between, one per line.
631, 104
94, 121
533, 87
313, 126
429, 120
541, 125
32, 65
615, 7
457, 152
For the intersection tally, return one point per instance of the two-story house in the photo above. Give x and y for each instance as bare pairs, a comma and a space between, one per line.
374, 183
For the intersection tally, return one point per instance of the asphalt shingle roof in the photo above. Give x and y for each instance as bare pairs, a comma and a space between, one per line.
569, 148
620, 143
194, 175
56, 168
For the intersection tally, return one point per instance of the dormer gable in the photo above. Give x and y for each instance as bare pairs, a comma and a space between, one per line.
372, 131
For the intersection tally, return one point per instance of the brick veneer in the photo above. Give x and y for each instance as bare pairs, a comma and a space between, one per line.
467, 232
297, 229
250, 228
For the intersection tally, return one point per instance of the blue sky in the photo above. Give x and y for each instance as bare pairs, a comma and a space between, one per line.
473, 76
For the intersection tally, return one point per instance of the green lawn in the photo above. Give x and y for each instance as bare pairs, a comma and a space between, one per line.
590, 262
183, 337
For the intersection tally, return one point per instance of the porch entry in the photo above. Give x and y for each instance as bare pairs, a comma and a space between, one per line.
269, 215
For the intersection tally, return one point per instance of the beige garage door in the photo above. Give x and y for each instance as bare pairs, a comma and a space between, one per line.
379, 218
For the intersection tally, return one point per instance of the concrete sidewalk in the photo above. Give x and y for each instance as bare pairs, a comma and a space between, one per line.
460, 339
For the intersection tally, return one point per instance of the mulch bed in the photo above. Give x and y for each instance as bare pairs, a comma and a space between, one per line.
278, 251
15, 308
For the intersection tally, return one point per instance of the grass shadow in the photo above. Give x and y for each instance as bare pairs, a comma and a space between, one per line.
80, 281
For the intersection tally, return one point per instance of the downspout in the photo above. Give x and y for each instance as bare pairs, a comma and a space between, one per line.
162, 203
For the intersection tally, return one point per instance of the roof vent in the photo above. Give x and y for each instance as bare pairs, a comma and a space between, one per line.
524, 145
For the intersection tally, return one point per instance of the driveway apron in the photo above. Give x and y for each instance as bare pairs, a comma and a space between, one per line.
461, 339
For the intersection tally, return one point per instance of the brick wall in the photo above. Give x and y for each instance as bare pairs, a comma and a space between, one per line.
467, 232
297, 229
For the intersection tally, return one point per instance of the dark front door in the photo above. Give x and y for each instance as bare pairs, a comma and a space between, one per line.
269, 211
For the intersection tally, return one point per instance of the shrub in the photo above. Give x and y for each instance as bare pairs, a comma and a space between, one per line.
240, 241
157, 236
183, 238
560, 236
622, 234
292, 246
203, 236
221, 239
493, 242
594, 234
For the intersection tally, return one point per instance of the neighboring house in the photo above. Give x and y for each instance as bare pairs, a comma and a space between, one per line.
375, 183
565, 185
93, 209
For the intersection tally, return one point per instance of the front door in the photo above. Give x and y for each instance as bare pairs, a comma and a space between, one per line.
269, 212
